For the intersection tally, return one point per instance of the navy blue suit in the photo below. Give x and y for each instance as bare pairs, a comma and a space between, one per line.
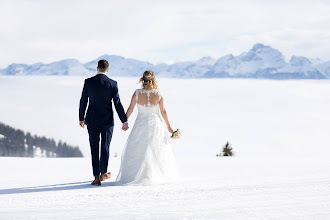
99, 92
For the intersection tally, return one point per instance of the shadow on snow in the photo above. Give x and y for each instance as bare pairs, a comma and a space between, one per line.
55, 187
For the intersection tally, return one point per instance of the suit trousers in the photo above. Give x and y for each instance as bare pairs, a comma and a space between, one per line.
100, 163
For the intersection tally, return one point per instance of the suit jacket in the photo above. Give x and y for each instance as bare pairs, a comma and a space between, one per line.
99, 91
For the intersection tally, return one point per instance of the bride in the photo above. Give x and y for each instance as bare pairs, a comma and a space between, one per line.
147, 157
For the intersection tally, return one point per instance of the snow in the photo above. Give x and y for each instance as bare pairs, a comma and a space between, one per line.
2, 136
299, 64
38, 152
279, 131
213, 188
324, 68
63, 67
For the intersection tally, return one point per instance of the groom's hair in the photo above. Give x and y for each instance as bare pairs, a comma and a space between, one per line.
103, 65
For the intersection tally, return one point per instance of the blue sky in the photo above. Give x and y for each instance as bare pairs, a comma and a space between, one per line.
159, 31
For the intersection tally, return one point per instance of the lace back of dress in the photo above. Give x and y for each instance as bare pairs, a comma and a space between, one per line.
147, 98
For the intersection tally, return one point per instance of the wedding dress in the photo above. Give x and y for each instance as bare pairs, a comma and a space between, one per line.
147, 156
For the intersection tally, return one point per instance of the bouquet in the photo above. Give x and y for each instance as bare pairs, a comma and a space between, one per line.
176, 134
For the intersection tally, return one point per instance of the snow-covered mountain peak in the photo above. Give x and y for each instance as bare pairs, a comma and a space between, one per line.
225, 59
206, 61
300, 61
259, 58
265, 55
301, 67
16, 69
69, 61
62, 67
259, 46
110, 58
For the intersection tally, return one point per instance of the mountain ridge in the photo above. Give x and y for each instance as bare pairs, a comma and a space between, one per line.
261, 61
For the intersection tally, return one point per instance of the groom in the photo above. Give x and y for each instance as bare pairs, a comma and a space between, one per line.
99, 91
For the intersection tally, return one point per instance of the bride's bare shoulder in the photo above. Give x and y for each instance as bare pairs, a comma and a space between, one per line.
160, 93
138, 91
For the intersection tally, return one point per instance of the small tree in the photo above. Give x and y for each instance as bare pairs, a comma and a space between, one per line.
227, 150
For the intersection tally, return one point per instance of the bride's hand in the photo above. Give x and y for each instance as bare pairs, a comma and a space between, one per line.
125, 126
170, 129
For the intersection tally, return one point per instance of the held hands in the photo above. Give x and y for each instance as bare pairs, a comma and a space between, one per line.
125, 126
82, 124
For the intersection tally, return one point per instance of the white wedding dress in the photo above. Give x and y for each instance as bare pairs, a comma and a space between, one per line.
147, 157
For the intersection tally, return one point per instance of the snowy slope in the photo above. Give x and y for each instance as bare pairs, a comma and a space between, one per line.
210, 188
261, 61
324, 68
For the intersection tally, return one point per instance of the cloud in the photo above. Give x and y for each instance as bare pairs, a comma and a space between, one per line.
159, 31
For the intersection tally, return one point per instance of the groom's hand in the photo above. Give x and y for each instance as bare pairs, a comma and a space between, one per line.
125, 126
82, 124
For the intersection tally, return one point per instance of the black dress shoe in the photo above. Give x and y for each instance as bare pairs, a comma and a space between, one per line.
96, 182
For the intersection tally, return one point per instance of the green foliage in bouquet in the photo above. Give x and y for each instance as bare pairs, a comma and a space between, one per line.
176, 134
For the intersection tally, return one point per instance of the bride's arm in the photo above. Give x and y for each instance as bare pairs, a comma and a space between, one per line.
131, 106
164, 114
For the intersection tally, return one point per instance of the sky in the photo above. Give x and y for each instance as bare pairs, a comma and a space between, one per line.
159, 31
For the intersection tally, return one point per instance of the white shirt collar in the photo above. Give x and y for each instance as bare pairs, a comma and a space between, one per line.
100, 73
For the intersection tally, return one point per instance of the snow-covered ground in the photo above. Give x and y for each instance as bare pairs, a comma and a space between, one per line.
278, 129
212, 188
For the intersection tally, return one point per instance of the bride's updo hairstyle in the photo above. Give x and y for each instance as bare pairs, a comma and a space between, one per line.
148, 80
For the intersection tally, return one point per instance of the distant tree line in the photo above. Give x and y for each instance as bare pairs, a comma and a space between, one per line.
16, 143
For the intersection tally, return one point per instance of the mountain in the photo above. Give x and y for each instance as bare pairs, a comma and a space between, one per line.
264, 62
261, 61
324, 68
15, 69
120, 66
259, 58
299, 68
194, 69
63, 67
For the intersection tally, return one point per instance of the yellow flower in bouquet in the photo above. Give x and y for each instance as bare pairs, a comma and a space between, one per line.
176, 134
